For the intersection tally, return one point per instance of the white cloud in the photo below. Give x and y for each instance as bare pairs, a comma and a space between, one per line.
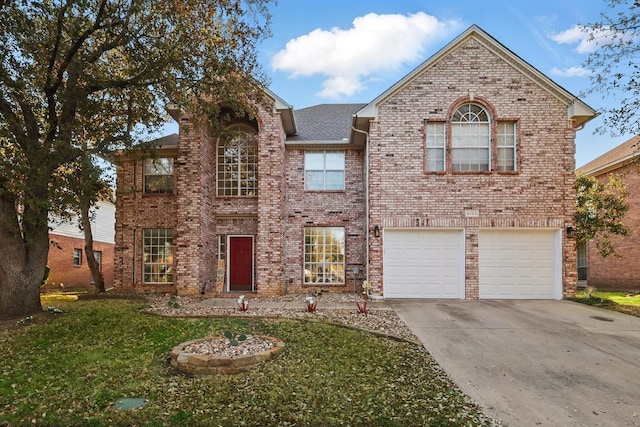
374, 44
587, 39
571, 72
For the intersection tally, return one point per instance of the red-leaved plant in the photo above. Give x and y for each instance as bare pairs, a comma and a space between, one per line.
362, 307
312, 300
243, 304
312, 303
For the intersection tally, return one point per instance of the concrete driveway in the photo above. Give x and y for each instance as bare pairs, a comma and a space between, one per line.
549, 363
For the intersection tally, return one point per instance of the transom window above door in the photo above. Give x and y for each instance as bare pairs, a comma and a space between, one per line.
471, 141
324, 170
238, 163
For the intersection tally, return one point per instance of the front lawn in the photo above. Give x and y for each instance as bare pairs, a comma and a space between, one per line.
622, 302
70, 368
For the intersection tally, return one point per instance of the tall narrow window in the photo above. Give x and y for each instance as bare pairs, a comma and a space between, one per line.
582, 261
158, 176
436, 145
470, 139
77, 257
238, 164
506, 146
324, 170
157, 251
324, 255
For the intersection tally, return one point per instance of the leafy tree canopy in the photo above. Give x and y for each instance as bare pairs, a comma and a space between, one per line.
86, 77
600, 208
614, 65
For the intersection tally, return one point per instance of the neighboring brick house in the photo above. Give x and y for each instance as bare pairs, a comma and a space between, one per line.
67, 259
616, 272
457, 182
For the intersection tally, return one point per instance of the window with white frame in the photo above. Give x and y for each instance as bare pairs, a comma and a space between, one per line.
506, 146
471, 142
158, 175
238, 163
77, 257
470, 139
324, 255
324, 170
436, 147
157, 252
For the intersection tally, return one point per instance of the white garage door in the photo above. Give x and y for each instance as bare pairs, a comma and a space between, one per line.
423, 263
519, 264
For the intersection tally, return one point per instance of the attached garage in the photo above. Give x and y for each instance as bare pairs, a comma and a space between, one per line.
520, 264
421, 263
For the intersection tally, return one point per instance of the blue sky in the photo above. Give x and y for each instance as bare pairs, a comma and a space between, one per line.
343, 51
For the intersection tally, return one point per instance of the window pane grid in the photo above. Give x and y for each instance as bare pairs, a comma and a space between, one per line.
238, 166
324, 170
507, 146
324, 255
157, 264
158, 175
470, 139
436, 145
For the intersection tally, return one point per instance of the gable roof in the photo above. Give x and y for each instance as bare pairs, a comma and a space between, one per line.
325, 123
614, 158
286, 113
577, 110
166, 141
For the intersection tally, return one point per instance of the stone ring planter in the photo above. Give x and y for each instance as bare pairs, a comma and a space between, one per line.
213, 364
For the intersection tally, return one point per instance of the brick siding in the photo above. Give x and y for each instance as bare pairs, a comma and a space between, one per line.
64, 274
539, 195
620, 272
401, 193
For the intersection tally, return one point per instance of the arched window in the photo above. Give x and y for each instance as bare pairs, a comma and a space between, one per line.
470, 139
238, 163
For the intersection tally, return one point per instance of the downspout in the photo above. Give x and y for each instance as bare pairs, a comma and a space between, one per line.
366, 197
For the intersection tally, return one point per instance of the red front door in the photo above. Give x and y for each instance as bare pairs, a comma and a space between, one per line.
240, 263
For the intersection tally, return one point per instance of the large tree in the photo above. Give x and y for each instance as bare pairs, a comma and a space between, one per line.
615, 72
102, 71
600, 208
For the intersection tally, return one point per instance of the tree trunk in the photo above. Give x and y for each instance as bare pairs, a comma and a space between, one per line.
22, 262
98, 278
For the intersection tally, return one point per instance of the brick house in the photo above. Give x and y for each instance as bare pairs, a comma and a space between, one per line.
456, 182
66, 260
616, 272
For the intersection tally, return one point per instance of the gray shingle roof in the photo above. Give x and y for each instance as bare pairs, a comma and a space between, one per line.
615, 157
325, 122
165, 141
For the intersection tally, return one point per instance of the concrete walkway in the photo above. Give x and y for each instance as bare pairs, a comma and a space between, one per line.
549, 363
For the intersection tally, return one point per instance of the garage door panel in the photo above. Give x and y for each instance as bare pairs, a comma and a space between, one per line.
518, 264
423, 263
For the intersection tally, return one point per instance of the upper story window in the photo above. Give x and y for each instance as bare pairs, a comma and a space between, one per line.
238, 163
436, 146
324, 170
506, 146
470, 139
466, 143
158, 176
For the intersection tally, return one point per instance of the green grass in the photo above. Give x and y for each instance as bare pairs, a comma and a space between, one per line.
611, 300
70, 369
